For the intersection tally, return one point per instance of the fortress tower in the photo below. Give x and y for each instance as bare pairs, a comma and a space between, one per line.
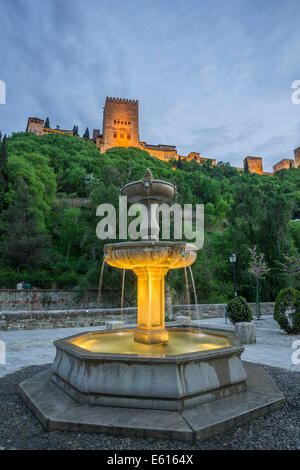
120, 123
297, 157
35, 125
253, 165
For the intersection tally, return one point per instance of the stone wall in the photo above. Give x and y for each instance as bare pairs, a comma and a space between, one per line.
216, 310
28, 320
54, 299
14, 320
284, 163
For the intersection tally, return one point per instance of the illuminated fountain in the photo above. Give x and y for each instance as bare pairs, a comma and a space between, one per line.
187, 371
150, 259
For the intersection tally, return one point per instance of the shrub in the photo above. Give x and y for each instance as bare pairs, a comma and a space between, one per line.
239, 310
287, 310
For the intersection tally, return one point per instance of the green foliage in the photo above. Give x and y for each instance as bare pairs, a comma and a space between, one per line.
47, 123
86, 134
241, 210
239, 310
24, 246
75, 131
287, 310
179, 163
3, 171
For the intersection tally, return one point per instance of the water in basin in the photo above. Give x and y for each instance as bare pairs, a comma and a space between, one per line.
122, 342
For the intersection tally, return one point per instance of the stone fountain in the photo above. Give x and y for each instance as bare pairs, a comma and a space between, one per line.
178, 382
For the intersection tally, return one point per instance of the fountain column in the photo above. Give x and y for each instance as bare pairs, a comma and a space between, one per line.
151, 305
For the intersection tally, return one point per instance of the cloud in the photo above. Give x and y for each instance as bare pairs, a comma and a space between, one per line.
210, 77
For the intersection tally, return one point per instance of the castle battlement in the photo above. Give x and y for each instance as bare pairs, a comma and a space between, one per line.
109, 99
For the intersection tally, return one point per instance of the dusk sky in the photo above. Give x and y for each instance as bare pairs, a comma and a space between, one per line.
210, 76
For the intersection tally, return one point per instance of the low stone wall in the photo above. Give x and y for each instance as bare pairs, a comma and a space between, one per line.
215, 310
54, 299
14, 320
28, 320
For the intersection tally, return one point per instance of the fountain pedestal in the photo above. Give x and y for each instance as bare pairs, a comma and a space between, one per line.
151, 305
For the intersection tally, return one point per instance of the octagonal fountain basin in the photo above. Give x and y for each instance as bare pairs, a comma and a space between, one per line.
111, 369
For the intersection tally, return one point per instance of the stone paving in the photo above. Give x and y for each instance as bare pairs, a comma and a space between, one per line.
34, 347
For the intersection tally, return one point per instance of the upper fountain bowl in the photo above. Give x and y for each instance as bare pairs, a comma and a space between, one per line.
131, 255
149, 190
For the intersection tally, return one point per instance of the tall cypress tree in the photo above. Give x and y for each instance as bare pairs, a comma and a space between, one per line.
47, 123
179, 163
75, 131
86, 135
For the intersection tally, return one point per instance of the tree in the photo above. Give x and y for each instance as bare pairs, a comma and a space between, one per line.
291, 267
75, 131
246, 167
258, 268
3, 171
47, 123
86, 134
25, 245
179, 163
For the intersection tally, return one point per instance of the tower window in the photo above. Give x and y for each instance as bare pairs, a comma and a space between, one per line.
115, 135
128, 136
129, 123
121, 136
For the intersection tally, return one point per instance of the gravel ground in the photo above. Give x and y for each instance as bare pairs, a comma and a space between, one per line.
19, 429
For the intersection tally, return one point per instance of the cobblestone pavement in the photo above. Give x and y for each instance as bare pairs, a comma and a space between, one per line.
34, 347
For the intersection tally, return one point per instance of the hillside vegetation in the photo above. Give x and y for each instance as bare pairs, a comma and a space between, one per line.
48, 242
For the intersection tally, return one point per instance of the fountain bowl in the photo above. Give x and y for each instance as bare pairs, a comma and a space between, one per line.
147, 253
149, 190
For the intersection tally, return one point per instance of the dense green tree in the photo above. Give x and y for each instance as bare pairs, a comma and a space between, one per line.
75, 131
51, 174
24, 245
86, 134
3, 171
47, 123
179, 163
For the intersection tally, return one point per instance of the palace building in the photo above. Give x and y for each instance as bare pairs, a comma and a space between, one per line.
120, 128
